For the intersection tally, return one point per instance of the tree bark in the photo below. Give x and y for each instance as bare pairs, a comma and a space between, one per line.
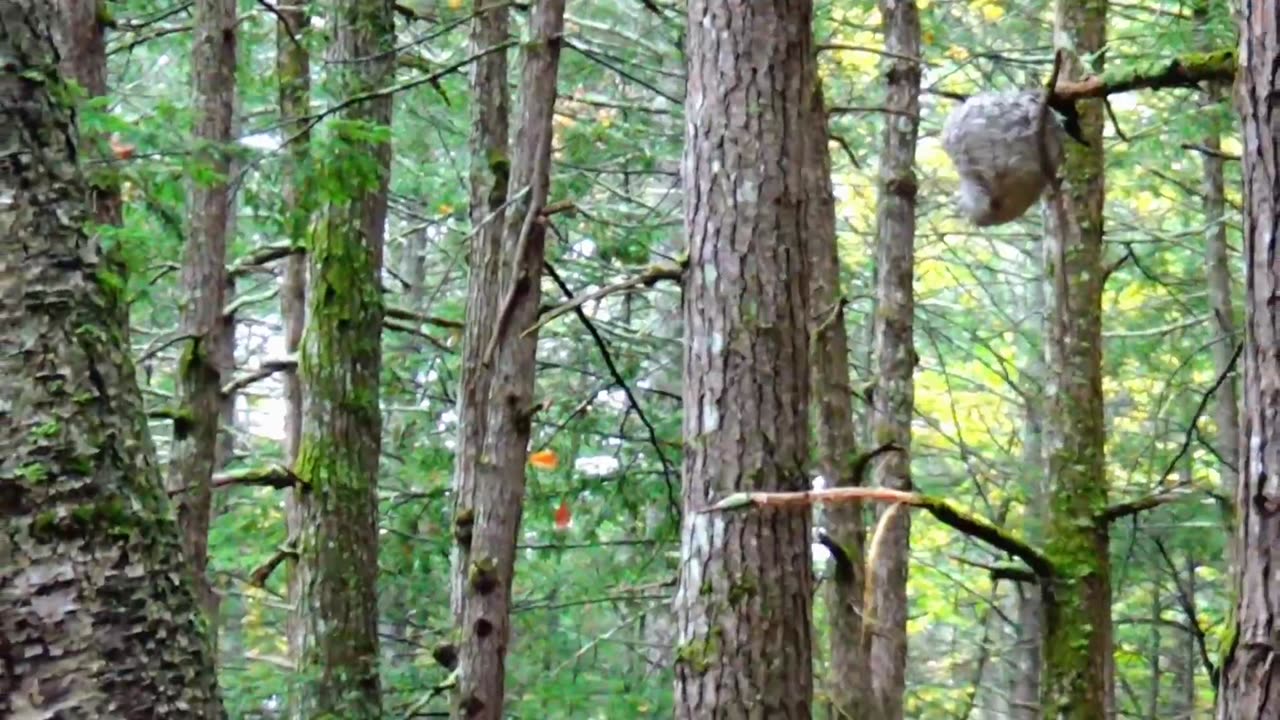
1077, 674
339, 365
746, 584
98, 614
293, 73
1249, 685
895, 356
490, 172
832, 399
487, 520
204, 361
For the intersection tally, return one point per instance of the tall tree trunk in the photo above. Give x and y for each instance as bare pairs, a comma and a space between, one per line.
1249, 685
490, 172
487, 520
98, 613
293, 73
1077, 676
1025, 695
895, 356
832, 398
196, 428
1218, 275
746, 580
339, 365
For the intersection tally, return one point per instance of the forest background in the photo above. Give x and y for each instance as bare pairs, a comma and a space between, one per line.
598, 555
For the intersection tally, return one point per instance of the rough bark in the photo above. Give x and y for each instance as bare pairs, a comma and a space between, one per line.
1249, 685
746, 584
98, 614
1077, 674
194, 449
894, 350
488, 519
832, 399
339, 365
490, 171
293, 73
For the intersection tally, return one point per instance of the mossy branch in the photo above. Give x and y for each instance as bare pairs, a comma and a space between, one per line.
944, 511
1183, 71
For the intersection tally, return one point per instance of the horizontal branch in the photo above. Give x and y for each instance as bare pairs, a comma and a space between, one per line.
944, 511
263, 256
665, 271
266, 369
1149, 502
417, 317
276, 476
1184, 71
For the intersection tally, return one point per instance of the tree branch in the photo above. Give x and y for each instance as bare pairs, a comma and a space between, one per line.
1184, 71
944, 511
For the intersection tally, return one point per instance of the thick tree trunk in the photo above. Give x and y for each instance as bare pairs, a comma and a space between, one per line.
293, 73
1077, 674
487, 520
490, 172
832, 399
194, 452
98, 615
895, 356
746, 580
340, 362
1250, 680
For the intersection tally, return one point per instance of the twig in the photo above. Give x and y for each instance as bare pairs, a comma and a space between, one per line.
648, 277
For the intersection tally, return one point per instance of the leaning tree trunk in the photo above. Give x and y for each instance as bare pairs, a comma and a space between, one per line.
98, 614
293, 73
832, 399
197, 419
487, 520
1076, 679
895, 358
746, 580
1249, 686
339, 365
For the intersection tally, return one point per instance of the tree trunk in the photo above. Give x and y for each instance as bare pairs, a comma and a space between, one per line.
98, 614
832, 398
1249, 685
1077, 675
293, 73
895, 356
746, 580
339, 365
490, 172
487, 519
194, 452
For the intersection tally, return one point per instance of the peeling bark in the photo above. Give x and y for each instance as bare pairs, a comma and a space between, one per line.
487, 518
339, 365
894, 351
98, 613
744, 597
1249, 686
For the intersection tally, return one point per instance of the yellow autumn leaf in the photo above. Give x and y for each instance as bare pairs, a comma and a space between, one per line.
455, 4
544, 459
445, 209
957, 53
992, 12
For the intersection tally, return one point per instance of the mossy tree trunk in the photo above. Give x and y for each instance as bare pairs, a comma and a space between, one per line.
894, 352
293, 74
487, 517
1249, 685
1077, 675
205, 359
743, 601
339, 365
837, 438
97, 607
